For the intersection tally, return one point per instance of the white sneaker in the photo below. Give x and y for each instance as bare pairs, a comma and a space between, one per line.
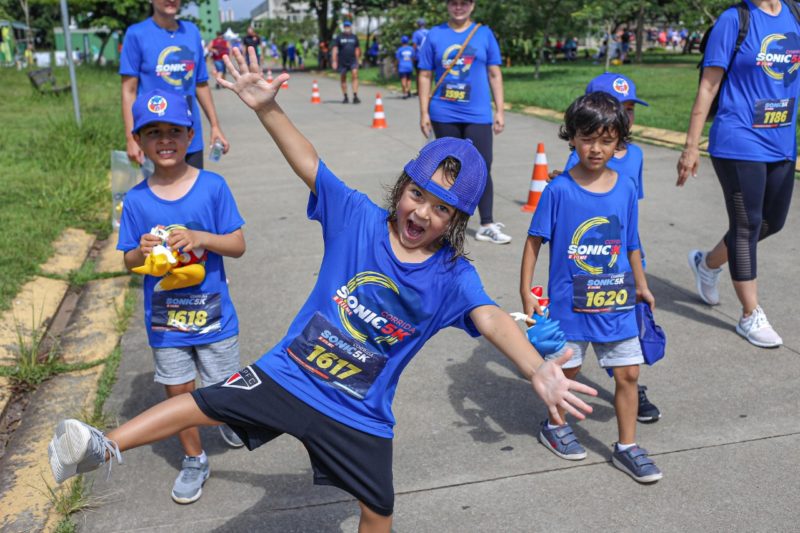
493, 233
707, 279
77, 448
756, 329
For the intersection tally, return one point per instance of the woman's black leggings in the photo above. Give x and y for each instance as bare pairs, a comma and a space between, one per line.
757, 196
481, 137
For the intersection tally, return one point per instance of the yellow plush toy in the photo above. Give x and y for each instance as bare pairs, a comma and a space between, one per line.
178, 269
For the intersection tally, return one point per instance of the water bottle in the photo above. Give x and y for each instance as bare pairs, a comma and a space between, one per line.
216, 151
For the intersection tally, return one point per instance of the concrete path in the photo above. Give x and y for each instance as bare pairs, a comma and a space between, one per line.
466, 456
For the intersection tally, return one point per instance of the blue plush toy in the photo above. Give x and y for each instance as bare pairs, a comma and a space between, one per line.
545, 335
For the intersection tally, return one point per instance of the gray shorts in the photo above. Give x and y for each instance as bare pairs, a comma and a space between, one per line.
609, 354
179, 365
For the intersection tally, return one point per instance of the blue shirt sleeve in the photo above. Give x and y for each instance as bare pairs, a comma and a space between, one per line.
722, 41
544, 217
333, 204
129, 232
425, 54
131, 56
467, 294
228, 218
493, 56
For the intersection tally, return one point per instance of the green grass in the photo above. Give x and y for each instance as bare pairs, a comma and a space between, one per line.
53, 174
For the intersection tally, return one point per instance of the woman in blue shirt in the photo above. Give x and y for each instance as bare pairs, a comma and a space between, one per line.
462, 104
752, 145
165, 53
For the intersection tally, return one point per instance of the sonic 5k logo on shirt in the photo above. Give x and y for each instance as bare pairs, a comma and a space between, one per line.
596, 245
464, 63
176, 66
368, 309
779, 57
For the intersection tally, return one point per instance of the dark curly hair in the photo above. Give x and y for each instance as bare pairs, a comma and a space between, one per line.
456, 231
596, 112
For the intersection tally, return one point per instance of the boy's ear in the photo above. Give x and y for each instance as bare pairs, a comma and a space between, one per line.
190, 133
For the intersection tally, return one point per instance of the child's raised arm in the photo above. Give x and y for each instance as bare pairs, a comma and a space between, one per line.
546, 377
259, 95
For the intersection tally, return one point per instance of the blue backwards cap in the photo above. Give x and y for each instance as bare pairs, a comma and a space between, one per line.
470, 181
620, 87
160, 106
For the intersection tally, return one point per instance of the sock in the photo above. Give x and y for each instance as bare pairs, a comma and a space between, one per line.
551, 426
623, 447
203, 457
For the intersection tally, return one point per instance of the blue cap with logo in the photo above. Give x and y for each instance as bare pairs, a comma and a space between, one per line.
160, 106
347, 23
620, 87
404, 39
470, 181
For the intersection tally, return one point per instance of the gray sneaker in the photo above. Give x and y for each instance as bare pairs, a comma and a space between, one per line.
706, 279
77, 448
230, 437
757, 330
188, 485
493, 233
636, 463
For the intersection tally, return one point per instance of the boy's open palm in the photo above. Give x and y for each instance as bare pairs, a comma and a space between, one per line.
249, 84
555, 389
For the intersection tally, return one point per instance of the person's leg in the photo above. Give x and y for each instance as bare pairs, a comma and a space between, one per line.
160, 422
189, 437
482, 137
626, 401
777, 197
343, 83
354, 75
372, 522
744, 185
216, 362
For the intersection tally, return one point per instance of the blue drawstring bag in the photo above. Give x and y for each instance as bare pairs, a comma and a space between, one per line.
546, 335
652, 338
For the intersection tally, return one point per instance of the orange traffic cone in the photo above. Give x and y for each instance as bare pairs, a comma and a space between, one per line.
315, 93
378, 118
269, 76
538, 180
285, 84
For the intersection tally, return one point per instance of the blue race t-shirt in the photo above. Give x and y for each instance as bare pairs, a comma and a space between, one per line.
631, 164
405, 59
368, 313
591, 287
419, 36
167, 61
464, 95
757, 115
201, 314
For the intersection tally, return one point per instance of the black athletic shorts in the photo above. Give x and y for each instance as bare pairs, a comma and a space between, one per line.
347, 66
258, 410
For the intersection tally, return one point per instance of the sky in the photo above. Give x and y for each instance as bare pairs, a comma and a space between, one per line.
241, 8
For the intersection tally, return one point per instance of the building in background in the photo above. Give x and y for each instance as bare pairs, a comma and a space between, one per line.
277, 9
209, 15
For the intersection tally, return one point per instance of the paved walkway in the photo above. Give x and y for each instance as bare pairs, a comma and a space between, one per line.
466, 457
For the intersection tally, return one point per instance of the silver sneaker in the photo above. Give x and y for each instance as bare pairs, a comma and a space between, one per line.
757, 330
493, 233
77, 448
188, 485
707, 279
230, 437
